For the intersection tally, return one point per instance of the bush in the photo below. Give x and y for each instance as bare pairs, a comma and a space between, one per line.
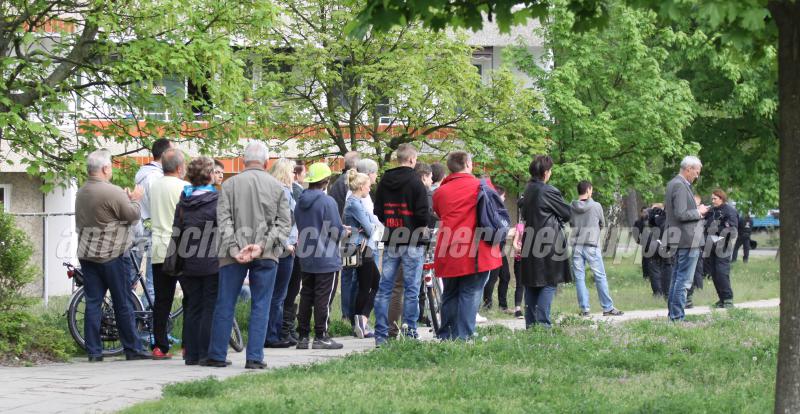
24, 338
16, 271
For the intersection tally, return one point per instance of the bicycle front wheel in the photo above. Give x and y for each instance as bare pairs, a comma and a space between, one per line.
109, 334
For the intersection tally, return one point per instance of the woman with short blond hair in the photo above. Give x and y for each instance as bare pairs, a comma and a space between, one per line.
283, 171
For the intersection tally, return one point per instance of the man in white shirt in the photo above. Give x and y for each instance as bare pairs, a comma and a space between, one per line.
147, 174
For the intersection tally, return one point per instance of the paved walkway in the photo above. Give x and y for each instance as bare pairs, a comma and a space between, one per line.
652, 313
81, 387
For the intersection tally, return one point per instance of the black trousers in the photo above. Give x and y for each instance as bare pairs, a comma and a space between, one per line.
368, 278
660, 274
743, 242
164, 289
503, 275
519, 290
645, 267
720, 269
315, 295
200, 297
290, 303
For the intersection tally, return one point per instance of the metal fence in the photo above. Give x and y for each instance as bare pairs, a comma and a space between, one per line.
45, 217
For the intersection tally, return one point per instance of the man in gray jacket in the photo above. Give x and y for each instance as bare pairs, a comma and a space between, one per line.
254, 223
684, 233
586, 222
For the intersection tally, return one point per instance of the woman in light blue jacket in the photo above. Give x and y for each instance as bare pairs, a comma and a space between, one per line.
358, 218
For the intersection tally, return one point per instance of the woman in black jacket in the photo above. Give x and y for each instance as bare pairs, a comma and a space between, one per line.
545, 257
721, 228
196, 222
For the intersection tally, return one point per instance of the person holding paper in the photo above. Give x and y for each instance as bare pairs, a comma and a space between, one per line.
721, 230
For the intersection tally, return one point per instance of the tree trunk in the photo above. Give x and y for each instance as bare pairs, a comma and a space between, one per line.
787, 384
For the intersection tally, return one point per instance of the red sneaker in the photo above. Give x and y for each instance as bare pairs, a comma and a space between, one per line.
157, 354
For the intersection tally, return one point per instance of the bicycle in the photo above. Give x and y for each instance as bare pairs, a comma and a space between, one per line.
433, 287
109, 335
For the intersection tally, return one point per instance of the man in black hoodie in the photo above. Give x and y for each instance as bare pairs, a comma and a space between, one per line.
401, 204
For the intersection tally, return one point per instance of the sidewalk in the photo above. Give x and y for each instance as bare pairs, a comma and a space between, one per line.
81, 387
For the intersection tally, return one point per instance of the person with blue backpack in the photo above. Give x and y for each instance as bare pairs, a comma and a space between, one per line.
473, 222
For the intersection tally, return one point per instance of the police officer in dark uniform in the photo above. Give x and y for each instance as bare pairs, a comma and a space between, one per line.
745, 229
721, 228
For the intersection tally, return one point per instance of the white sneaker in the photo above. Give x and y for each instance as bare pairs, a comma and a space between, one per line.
480, 319
358, 327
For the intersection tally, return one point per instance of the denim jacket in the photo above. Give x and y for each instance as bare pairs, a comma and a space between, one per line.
356, 216
292, 239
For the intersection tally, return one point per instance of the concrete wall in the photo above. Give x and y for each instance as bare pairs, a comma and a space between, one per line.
26, 198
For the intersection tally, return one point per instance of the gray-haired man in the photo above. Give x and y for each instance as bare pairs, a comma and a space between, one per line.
684, 232
254, 223
104, 214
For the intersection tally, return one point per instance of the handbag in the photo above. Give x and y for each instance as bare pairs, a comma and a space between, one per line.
173, 263
353, 258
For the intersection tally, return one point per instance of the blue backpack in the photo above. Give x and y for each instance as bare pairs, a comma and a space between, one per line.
493, 218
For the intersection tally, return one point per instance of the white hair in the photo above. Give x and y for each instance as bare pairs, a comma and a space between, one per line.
256, 151
97, 160
690, 161
367, 166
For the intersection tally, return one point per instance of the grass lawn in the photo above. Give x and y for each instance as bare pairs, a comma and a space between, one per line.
722, 363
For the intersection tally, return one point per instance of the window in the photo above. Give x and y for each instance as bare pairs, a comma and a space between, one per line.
483, 60
5, 197
162, 94
345, 90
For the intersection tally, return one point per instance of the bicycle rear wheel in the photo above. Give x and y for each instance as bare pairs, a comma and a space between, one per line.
236, 341
109, 335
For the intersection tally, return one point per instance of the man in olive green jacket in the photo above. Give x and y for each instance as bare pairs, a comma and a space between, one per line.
254, 222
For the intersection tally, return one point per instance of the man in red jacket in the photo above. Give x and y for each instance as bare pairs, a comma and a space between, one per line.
462, 262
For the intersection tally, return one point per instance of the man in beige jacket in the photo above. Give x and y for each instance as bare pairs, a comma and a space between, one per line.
104, 214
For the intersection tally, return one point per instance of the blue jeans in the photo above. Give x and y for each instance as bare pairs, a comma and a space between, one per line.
591, 254
460, 301
231, 277
349, 292
282, 277
99, 278
682, 278
537, 305
411, 257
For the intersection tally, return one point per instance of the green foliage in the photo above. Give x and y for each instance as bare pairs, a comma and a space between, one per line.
713, 363
617, 115
16, 270
736, 118
409, 85
26, 338
119, 63
382, 15
512, 129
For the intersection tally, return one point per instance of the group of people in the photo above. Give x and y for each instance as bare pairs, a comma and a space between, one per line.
294, 232
684, 240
